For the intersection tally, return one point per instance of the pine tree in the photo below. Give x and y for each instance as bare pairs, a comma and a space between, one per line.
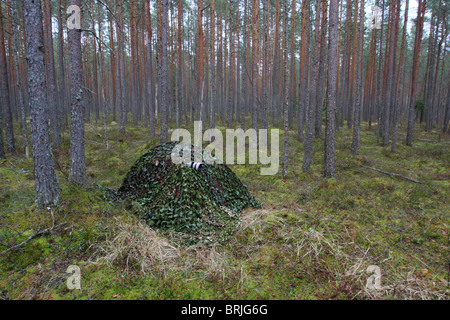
330, 127
77, 173
46, 184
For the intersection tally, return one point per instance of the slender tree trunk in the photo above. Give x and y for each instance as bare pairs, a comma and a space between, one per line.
329, 154
199, 63
446, 120
416, 52
212, 111
276, 66
231, 70
77, 173
312, 92
303, 95
180, 59
399, 84
219, 99
379, 91
358, 86
149, 85
389, 92
95, 87
61, 69
255, 61
163, 71
292, 82
51, 79
112, 55
5, 94
321, 76
10, 55
265, 82
352, 72
286, 102
101, 84
245, 76
133, 62
121, 64
20, 85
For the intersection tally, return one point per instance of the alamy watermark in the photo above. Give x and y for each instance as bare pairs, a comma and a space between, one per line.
374, 281
74, 18
374, 21
74, 280
235, 153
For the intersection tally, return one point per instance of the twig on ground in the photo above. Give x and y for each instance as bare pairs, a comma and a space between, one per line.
36, 234
392, 174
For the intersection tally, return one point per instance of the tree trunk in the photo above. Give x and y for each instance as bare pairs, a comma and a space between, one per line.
286, 101
149, 86
358, 86
265, 82
276, 66
62, 97
122, 73
329, 154
51, 80
5, 94
321, 76
245, 75
416, 52
312, 92
399, 84
46, 184
180, 98
292, 84
255, 61
231, 71
303, 95
163, 71
77, 173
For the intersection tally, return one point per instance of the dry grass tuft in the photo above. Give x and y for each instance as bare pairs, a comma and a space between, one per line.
138, 248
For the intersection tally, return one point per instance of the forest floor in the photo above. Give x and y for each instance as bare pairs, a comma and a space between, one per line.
313, 239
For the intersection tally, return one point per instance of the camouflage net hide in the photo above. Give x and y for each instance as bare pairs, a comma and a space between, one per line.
204, 204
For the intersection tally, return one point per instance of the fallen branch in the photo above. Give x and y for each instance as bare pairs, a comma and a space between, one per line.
36, 234
392, 174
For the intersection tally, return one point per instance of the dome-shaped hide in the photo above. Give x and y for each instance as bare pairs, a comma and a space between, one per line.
197, 198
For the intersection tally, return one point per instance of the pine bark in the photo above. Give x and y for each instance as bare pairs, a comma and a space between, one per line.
5, 94
163, 70
303, 95
255, 61
358, 84
330, 127
51, 79
292, 78
77, 172
149, 85
62, 97
286, 101
180, 98
276, 65
321, 76
46, 184
312, 92
416, 52
399, 83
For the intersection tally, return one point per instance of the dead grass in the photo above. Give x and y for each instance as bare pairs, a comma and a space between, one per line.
136, 248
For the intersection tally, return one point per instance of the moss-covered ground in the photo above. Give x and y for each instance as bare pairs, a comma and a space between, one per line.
313, 239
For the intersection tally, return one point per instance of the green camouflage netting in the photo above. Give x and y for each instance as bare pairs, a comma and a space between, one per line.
205, 204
